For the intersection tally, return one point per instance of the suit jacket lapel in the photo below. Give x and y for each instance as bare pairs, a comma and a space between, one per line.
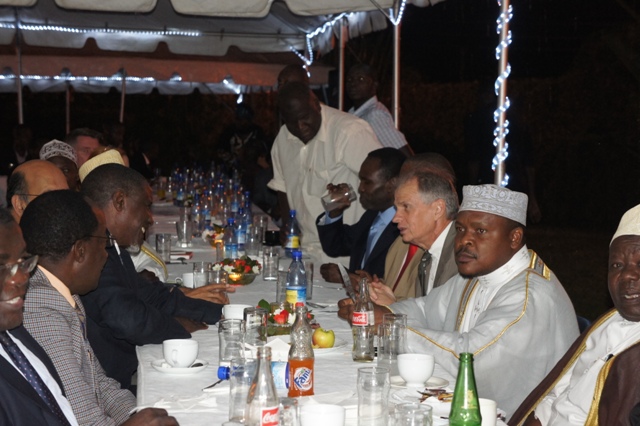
447, 267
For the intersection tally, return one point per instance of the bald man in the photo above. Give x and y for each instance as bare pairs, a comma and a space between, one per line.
29, 180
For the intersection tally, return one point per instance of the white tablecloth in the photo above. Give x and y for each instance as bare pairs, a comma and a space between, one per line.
182, 395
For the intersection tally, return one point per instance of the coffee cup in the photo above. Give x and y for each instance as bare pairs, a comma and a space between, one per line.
234, 311
180, 353
416, 369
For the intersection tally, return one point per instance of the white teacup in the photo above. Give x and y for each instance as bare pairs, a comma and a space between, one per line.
180, 353
187, 279
488, 411
321, 415
234, 311
416, 369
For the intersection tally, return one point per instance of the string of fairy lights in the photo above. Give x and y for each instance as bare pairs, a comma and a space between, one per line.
501, 52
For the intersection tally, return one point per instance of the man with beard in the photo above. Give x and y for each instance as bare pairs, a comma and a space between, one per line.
127, 310
367, 241
596, 381
505, 306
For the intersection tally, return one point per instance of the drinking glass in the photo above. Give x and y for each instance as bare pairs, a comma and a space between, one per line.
341, 195
163, 246
392, 335
231, 338
373, 396
255, 320
413, 414
201, 273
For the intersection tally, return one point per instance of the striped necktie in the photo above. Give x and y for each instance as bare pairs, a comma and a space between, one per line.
423, 274
32, 376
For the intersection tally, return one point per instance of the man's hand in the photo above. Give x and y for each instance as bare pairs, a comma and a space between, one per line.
345, 311
215, 293
191, 325
151, 417
380, 293
340, 201
330, 272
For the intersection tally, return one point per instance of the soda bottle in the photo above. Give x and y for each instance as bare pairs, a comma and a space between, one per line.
292, 231
363, 325
296, 280
465, 407
301, 357
262, 401
230, 240
241, 230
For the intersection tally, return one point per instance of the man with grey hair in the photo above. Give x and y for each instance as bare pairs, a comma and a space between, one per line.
85, 142
426, 204
505, 306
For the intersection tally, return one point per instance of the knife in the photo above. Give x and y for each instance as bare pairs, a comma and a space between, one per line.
346, 282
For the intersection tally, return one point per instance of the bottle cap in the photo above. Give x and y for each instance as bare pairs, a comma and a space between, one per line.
223, 373
299, 304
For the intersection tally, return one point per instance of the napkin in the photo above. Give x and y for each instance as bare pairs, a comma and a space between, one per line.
179, 404
176, 255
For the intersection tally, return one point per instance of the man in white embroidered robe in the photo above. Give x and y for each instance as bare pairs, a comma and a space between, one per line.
504, 306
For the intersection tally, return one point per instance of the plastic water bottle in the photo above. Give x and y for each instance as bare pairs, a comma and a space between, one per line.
293, 233
363, 325
262, 401
241, 230
296, 280
301, 357
230, 240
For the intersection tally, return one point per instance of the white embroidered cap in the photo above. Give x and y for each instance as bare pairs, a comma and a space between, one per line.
629, 224
56, 148
110, 156
496, 200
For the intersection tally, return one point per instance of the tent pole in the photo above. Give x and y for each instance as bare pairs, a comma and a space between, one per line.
343, 41
396, 74
67, 109
19, 79
503, 103
123, 92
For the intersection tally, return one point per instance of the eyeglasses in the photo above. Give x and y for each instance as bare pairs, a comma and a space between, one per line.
9, 270
110, 240
28, 195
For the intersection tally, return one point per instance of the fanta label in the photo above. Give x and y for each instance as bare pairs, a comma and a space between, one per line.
302, 378
269, 416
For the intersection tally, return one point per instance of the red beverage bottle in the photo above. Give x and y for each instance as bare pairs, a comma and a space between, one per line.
301, 357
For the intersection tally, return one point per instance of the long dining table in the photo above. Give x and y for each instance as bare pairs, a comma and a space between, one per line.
183, 395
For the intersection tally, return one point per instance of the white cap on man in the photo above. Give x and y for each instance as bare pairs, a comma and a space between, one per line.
496, 200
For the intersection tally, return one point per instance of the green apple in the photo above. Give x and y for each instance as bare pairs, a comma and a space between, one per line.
323, 338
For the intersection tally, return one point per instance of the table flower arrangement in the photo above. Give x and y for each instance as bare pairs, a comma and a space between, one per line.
281, 317
240, 271
213, 234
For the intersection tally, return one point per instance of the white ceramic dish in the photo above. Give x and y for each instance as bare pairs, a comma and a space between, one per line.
433, 382
162, 366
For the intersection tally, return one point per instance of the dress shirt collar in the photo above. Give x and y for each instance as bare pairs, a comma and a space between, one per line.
438, 244
387, 215
365, 106
59, 285
518, 262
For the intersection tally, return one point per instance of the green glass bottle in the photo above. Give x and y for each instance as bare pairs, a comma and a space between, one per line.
465, 407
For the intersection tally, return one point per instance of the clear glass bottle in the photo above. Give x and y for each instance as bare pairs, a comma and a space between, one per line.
301, 356
293, 234
363, 325
296, 280
262, 401
465, 407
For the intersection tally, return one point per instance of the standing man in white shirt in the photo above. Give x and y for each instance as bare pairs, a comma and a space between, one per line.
316, 146
361, 87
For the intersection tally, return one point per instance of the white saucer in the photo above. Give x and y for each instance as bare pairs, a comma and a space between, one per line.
163, 367
433, 382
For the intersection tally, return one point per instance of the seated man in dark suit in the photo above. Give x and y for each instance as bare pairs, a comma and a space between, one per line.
126, 310
368, 240
20, 403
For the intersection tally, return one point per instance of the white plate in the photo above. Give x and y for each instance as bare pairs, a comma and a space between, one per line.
338, 344
163, 367
433, 382
440, 409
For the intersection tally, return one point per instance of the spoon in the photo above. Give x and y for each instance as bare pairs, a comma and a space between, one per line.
210, 386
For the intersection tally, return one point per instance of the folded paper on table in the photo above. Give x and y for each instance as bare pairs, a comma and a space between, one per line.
279, 349
176, 255
176, 404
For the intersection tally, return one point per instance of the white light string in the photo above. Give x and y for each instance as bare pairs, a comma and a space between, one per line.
500, 86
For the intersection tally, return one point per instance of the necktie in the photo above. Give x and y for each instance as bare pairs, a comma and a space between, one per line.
23, 364
410, 253
373, 232
423, 274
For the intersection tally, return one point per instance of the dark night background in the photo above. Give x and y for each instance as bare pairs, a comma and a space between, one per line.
575, 87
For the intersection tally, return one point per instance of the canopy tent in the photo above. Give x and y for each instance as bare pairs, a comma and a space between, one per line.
184, 43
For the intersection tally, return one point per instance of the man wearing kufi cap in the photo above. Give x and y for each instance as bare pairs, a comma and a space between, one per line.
504, 305
596, 381
63, 156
